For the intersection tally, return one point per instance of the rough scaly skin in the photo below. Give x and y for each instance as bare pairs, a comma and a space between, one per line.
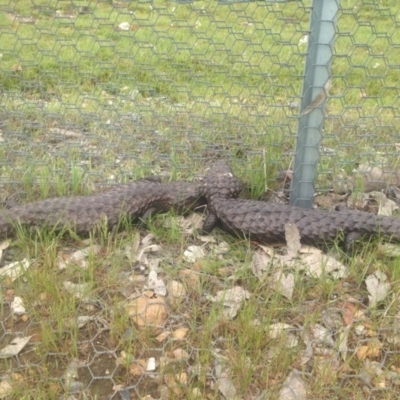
265, 222
134, 200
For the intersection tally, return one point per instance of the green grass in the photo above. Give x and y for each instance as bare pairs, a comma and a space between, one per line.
255, 360
185, 78
188, 83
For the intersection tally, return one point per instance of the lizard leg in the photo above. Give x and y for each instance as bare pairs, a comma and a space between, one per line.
350, 241
148, 214
209, 224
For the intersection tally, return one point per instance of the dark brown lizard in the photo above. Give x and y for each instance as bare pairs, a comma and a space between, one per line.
265, 222
137, 199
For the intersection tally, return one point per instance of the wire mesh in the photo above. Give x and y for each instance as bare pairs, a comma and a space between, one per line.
98, 92
114, 87
111, 87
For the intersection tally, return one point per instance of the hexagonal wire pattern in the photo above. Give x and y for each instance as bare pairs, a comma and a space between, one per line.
112, 87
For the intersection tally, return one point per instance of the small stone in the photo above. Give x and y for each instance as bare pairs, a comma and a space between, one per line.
17, 306
176, 291
25, 317
180, 333
138, 367
181, 354
124, 26
151, 364
162, 336
145, 311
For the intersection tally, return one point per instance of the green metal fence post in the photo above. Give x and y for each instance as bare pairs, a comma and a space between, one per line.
316, 86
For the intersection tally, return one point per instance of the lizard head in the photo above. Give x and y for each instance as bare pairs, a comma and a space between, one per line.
221, 182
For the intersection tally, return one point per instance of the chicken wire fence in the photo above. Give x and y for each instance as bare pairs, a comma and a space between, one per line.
104, 91
110, 88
